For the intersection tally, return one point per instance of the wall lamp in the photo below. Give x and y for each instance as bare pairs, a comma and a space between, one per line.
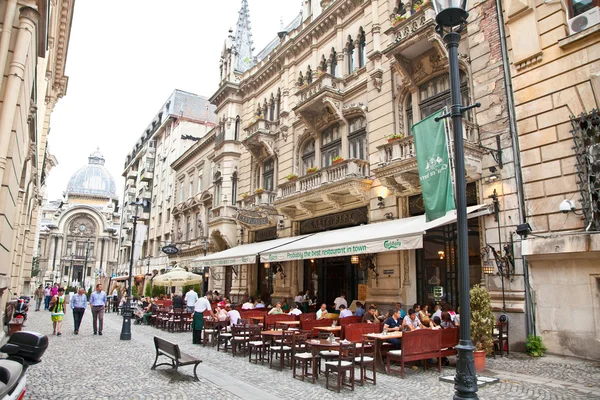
389, 215
380, 203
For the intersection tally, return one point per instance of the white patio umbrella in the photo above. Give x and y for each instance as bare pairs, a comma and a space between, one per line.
177, 277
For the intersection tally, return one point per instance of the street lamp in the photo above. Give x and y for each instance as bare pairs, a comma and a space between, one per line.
71, 271
451, 18
206, 269
126, 327
148, 271
87, 249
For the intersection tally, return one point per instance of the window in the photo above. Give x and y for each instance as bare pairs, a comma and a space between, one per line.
67, 270
168, 217
200, 180
159, 219
218, 187
181, 191
331, 145
333, 63
362, 48
350, 54
435, 95
357, 138
80, 249
268, 175
69, 249
91, 250
236, 132
578, 7
308, 155
191, 186
234, 187
409, 115
272, 108
198, 225
278, 103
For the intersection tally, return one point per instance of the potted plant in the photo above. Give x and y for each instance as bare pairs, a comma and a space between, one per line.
337, 159
398, 18
482, 325
395, 136
320, 72
291, 177
311, 170
535, 347
245, 195
259, 191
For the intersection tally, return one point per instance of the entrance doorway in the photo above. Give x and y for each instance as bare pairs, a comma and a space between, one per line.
330, 277
78, 275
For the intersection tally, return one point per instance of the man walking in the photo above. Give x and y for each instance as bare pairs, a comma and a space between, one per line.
39, 295
190, 299
78, 304
201, 305
48, 294
97, 302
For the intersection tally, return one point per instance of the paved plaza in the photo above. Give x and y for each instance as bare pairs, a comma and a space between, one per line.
103, 367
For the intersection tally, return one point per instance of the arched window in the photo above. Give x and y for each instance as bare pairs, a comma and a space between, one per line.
269, 175
350, 54
357, 138
308, 155
236, 131
435, 94
333, 63
218, 184
234, 187
362, 48
331, 145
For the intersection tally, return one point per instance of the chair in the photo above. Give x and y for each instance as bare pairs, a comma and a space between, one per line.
282, 350
209, 332
328, 355
259, 346
186, 321
308, 358
365, 361
223, 338
501, 337
240, 339
342, 364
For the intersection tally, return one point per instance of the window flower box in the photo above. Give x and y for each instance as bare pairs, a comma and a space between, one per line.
245, 196
398, 19
337, 160
291, 177
395, 136
259, 191
311, 170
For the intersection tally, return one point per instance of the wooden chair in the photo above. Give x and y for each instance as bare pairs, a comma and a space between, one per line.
365, 359
259, 346
223, 338
421, 344
342, 364
240, 339
186, 321
327, 355
282, 350
501, 337
307, 359
209, 332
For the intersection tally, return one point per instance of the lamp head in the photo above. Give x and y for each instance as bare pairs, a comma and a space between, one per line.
450, 13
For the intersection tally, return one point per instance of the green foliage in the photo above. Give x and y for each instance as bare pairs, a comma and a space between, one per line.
482, 319
187, 288
35, 267
134, 291
89, 292
148, 290
157, 290
535, 347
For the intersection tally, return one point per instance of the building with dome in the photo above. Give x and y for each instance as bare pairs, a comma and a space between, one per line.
78, 244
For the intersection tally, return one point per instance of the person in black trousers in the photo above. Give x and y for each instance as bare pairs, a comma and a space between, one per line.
78, 304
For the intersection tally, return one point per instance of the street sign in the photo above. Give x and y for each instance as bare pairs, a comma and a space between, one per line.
170, 249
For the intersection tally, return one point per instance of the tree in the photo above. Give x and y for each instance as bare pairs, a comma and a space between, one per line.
482, 319
35, 267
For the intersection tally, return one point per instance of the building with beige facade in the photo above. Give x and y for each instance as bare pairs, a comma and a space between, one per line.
34, 41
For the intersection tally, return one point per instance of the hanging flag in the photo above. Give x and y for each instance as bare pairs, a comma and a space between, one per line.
434, 168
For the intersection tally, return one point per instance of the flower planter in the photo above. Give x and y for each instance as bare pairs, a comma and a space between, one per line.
292, 178
479, 357
394, 140
337, 161
259, 192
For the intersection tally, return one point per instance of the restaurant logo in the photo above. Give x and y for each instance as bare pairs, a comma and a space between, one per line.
392, 244
170, 249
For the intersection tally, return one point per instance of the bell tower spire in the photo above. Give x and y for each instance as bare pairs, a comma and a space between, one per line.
243, 44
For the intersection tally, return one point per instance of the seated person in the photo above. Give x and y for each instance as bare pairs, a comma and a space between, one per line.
393, 324
435, 323
399, 307
259, 303
457, 317
284, 305
370, 317
150, 308
220, 312
276, 310
344, 312
424, 315
447, 320
360, 309
437, 311
234, 315
145, 302
295, 310
322, 313
249, 305
411, 322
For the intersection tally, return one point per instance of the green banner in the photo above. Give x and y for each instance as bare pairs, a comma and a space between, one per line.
434, 168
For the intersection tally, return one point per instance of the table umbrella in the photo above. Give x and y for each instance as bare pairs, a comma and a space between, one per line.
177, 277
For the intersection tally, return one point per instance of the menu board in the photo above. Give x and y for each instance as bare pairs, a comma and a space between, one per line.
362, 292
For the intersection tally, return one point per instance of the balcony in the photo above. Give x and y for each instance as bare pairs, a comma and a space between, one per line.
322, 83
130, 191
130, 182
132, 174
335, 187
146, 175
258, 199
320, 101
397, 168
260, 137
146, 194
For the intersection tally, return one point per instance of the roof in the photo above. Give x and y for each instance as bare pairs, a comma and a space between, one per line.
296, 22
190, 105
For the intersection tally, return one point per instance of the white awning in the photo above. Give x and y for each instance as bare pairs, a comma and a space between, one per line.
246, 253
399, 234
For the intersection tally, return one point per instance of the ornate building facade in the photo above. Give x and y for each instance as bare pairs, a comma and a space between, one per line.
78, 243
34, 41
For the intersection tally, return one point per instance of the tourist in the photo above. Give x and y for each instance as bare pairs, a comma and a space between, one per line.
202, 304
437, 311
447, 320
48, 294
322, 313
399, 307
39, 296
370, 316
221, 314
424, 315
259, 303
457, 317
249, 305
298, 299
376, 310
451, 312
54, 290
97, 303
276, 310
295, 310
234, 315
360, 309
78, 305
115, 299
148, 311
344, 312
435, 323
177, 302
57, 309
411, 322
393, 324
284, 305
341, 299
216, 296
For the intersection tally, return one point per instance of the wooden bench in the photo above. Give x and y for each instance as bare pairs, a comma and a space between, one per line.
450, 338
421, 344
15, 325
308, 325
307, 316
343, 322
270, 320
171, 350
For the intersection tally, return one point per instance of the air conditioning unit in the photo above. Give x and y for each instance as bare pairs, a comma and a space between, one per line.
584, 21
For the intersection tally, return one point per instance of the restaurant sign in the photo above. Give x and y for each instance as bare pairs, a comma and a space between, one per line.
229, 261
375, 246
252, 218
335, 221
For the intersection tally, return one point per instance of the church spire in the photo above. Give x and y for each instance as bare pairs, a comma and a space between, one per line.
243, 40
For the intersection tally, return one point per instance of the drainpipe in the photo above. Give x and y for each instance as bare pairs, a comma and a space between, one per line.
514, 137
28, 18
7, 26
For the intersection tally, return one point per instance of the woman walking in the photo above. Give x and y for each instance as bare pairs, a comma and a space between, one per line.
57, 308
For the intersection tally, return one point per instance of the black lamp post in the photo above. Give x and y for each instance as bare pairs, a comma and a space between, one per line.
87, 249
148, 271
451, 18
126, 327
71, 271
205, 269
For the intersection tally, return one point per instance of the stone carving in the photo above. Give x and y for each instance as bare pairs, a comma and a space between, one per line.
308, 208
335, 201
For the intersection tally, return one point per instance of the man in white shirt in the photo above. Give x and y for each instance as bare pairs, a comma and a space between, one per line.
344, 312
234, 315
249, 305
339, 301
298, 299
295, 310
438, 311
322, 313
202, 304
190, 300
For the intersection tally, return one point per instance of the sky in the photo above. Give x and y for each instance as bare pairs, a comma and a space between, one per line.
125, 57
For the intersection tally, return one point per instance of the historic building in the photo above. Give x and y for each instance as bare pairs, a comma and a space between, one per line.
78, 242
34, 41
183, 119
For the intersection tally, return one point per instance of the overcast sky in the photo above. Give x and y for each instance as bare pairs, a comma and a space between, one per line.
125, 58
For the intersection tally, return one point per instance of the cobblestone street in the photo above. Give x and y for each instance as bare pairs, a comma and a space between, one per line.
103, 367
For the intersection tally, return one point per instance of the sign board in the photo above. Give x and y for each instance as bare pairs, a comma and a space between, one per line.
362, 292
335, 221
252, 218
388, 272
438, 292
170, 249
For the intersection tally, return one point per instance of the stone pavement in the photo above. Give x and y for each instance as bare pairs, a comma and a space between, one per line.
103, 367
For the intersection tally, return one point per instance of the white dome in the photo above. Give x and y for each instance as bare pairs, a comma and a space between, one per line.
93, 179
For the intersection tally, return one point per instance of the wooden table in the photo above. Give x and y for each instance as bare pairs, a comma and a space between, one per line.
258, 320
323, 344
288, 323
335, 329
275, 332
379, 339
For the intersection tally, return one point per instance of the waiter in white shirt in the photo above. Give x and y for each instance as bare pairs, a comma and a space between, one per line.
202, 304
